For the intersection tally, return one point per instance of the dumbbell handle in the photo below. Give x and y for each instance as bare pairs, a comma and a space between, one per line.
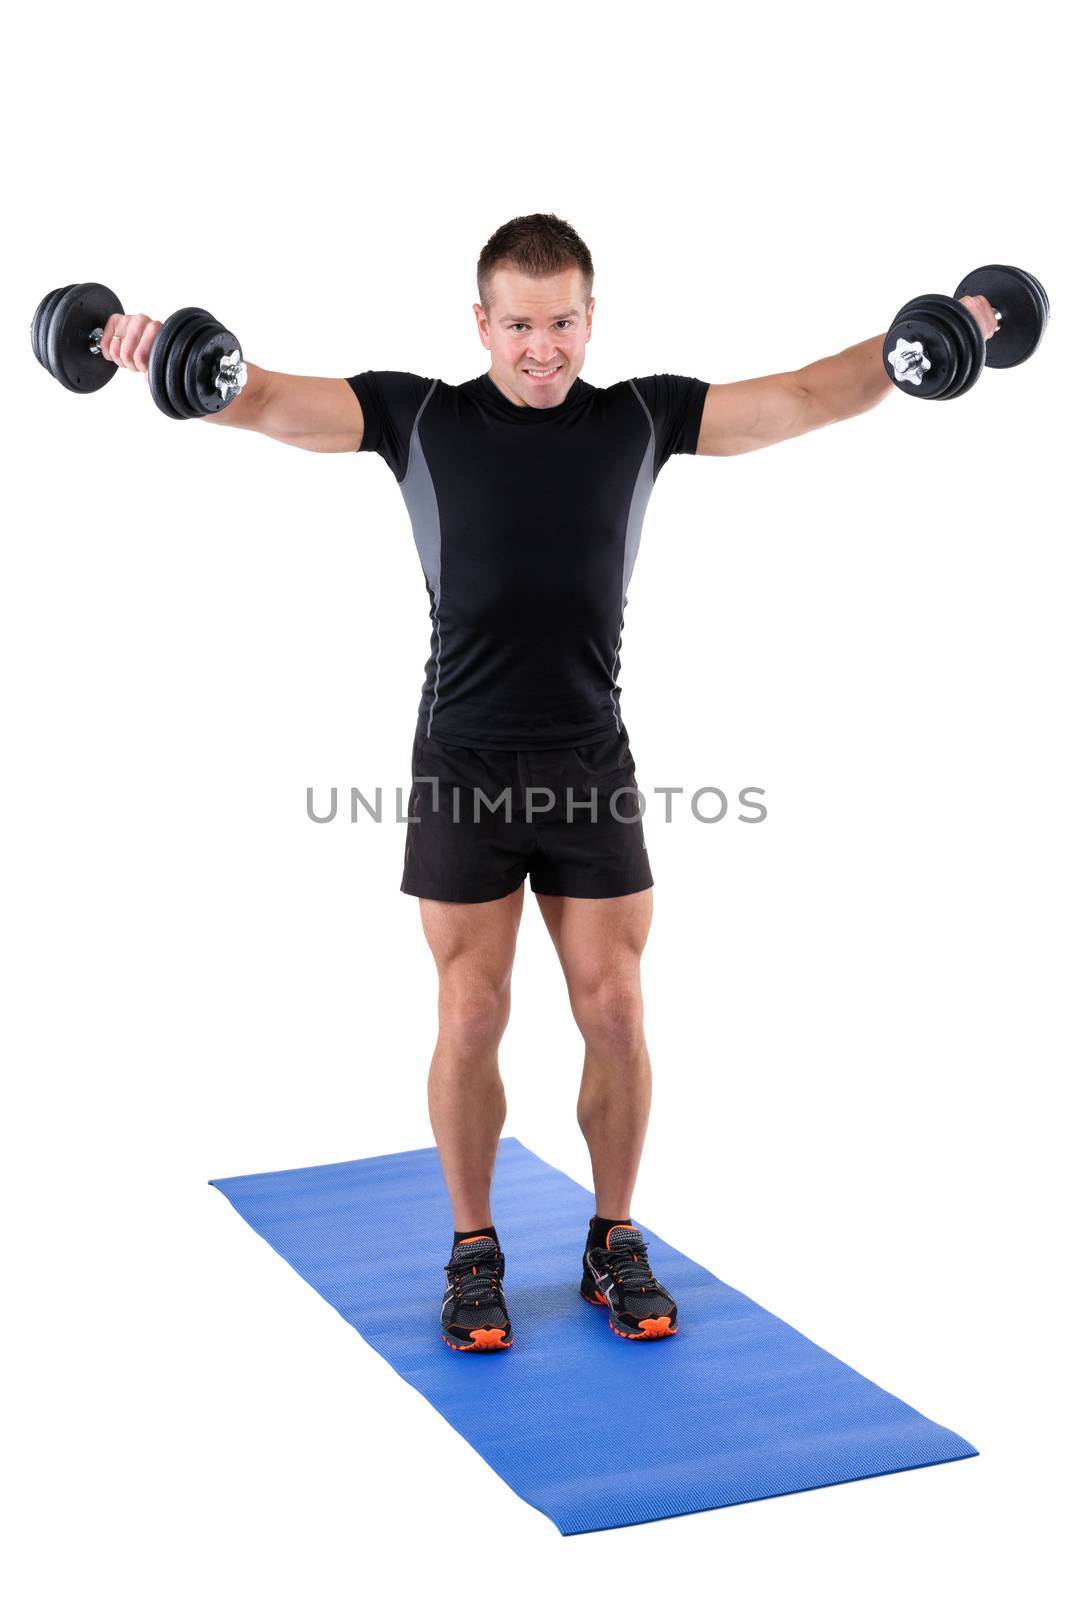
232, 369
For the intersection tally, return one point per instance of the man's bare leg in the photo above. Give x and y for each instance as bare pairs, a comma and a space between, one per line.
473, 946
599, 944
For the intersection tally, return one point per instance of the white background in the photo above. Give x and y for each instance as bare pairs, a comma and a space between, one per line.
852, 1009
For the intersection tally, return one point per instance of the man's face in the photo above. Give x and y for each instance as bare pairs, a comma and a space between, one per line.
536, 325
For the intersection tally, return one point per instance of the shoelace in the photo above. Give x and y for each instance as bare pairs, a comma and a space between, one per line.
631, 1269
477, 1282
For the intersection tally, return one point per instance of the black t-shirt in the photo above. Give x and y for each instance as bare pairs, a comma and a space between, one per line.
527, 521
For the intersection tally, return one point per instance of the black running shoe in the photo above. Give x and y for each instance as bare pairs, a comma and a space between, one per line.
620, 1278
474, 1313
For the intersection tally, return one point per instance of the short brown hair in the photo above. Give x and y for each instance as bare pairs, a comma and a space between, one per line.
539, 245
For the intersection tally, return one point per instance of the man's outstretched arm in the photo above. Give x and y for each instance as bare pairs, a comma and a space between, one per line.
758, 411
320, 414
749, 415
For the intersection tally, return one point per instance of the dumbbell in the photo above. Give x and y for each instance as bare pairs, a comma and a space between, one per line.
935, 349
195, 367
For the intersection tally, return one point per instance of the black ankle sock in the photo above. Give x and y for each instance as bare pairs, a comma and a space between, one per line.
599, 1227
476, 1233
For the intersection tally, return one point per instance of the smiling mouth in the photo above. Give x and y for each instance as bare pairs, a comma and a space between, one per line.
541, 372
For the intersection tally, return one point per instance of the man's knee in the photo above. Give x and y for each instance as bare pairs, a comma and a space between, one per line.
609, 1012
474, 1013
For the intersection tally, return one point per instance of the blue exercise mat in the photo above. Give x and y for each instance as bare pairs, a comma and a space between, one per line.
593, 1430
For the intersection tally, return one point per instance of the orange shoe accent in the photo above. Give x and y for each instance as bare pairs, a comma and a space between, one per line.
599, 1300
658, 1328
487, 1338
483, 1339
477, 1349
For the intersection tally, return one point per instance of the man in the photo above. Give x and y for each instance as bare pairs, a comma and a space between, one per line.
526, 489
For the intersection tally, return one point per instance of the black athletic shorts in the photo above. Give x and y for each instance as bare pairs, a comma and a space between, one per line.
480, 820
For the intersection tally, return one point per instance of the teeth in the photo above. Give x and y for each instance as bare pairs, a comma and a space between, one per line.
540, 372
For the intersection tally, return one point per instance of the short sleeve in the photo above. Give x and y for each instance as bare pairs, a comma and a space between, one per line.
676, 408
390, 404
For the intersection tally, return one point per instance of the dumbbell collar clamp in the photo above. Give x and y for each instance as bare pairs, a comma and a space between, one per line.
909, 361
232, 374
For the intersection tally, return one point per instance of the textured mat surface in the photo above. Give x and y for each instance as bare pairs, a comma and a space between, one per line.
736, 1406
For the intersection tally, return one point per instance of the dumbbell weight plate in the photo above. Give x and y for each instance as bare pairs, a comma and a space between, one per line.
175, 361
967, 340
201, 367
39, 331
970, 342
73, 318
204, 333
940, 342
1024, 307
1042, 292
157, 361
977, 346
1034, 281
